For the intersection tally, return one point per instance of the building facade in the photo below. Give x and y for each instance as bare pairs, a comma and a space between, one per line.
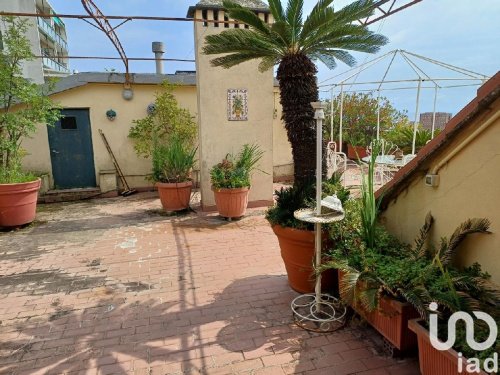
47, 36
441, 120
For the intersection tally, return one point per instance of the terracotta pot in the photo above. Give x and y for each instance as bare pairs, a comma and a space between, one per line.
231, 203
356, 152
297, 251
18, 203
433, 361
174, 196
391, 319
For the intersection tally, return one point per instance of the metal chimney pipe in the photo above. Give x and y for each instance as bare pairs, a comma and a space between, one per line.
159, 50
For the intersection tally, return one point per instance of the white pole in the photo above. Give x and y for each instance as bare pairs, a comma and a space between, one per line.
331, 116
341, 115
319, 116
416, 118
434, 112
378, 115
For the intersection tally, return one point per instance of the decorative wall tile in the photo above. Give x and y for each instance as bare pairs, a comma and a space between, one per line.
237, 105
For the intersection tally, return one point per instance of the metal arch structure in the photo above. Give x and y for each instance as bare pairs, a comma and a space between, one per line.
103, 24
386, 8
424, 80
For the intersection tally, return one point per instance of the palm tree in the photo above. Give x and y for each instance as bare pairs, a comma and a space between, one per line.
294, 44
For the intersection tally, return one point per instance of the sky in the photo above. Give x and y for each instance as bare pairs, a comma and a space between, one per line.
462, 33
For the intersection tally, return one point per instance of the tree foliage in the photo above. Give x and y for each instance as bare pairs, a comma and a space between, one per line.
359, 118
24, 105
295, 41
167, 119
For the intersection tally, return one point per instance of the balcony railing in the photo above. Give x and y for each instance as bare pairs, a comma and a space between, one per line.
54, 65
51, 32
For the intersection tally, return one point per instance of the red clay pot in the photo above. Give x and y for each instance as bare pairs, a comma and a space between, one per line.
18, 203
433, 361
356, 152
231, 203
297, 251
391, 321
174, 196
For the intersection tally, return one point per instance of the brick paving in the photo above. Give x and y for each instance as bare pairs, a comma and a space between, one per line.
114, 286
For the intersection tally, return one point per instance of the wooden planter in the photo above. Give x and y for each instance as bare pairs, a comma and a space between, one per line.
433, 361
231, 203
175, 196
18, 203
391, 319
356, 152
297, 252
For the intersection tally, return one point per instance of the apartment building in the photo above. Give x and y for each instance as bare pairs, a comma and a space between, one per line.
47, 36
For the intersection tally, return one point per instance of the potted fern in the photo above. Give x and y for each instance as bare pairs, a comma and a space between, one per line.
231, 181
172, 165
24, 105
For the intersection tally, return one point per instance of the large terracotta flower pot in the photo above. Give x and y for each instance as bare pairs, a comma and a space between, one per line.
356, 152
18, 203
433, 361
231, 203
390, 319
175, 196
297, 251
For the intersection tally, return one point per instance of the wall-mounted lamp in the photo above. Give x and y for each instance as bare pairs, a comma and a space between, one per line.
127, 94
111, 114
151, 109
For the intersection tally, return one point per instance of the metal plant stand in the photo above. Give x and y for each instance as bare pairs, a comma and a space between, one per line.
316, 311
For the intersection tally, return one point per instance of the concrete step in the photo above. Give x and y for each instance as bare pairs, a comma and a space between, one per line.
69, 195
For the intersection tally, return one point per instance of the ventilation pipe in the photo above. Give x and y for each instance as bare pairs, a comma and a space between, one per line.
159, 50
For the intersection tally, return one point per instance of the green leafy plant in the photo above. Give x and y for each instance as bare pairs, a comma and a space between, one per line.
167, 119
295, 197
369, 206
419, 275
359, 118
173, 161
402, 135
24, 105
235, 171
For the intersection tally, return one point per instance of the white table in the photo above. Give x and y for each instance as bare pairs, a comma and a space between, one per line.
387, 160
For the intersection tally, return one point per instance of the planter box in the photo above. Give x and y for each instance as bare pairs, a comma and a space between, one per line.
433, 361
391, 321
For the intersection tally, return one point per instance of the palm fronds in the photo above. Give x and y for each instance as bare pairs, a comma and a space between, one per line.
419, 250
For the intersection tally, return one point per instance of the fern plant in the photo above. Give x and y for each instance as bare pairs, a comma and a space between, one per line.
419, 274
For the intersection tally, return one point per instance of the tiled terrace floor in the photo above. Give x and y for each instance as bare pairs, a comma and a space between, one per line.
113, 286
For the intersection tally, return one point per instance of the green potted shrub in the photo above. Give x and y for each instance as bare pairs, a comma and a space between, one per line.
172, 165
296, 238
231, 181
24, 105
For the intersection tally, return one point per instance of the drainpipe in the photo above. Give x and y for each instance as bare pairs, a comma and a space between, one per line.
159, 50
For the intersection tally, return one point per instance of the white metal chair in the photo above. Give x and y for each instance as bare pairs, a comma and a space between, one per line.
336, 161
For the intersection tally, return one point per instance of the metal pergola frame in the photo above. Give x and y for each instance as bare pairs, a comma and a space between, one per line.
468, 77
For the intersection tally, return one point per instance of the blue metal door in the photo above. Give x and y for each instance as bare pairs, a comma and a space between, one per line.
70, 142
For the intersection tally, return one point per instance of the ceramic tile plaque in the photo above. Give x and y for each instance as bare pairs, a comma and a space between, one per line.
237, 105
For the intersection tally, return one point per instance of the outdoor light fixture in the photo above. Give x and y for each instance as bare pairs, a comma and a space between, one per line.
127, 94
151, 108
111, 114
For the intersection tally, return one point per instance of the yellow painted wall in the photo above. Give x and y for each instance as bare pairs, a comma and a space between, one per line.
99, 98
282, 150
218, 136
469, 187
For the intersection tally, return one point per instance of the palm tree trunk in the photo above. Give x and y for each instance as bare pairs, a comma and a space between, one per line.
298, 86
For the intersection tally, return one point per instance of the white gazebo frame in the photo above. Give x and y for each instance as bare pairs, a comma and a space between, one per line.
467, 78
